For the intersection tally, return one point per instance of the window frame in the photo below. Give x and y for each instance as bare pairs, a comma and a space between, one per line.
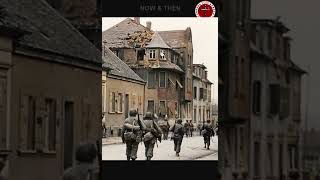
152, 53
165, 79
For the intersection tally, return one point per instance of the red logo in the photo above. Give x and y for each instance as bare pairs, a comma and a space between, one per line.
205, 9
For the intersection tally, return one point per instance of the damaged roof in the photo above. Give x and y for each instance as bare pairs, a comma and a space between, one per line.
129, 34
46, 30
125, 34
118, 67
157, 42
175, 39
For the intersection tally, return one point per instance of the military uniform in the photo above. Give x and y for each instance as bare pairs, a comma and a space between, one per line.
207, 133
178, 133
131, 125
191, 128
164, 125
151, 134
187, 128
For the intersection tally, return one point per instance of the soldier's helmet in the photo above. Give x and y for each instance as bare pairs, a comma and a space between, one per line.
208, 121
179, 121
148, 115
86, 152
133, 112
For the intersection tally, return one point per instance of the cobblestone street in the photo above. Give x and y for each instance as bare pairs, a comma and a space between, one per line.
192, 149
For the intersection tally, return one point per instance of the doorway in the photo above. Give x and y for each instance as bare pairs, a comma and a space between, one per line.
68, 133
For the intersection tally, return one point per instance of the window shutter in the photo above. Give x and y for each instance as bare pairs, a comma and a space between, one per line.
110, 101
23, 125
58, 122
116, 106
40, 127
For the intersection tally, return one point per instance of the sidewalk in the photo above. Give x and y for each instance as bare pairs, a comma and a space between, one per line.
111, 140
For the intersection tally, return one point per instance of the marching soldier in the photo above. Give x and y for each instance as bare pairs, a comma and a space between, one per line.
178, 133
191, 128
164, 125
186, 127
132, 134
152, 133
207, 132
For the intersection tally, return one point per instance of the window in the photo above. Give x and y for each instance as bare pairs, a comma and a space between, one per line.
152, 54
31, 122
163, 54
3, 110
195, 115
51, 124
150, 107
204, 113
257, 159
151, 79
162, 79
274, 101
199, 115
293, 156
162, 107
236, 77
140, 55
256, 97
284, 102
201, 93
280, 160
205, 94
113, 102
194, 92
270, 158
120, 102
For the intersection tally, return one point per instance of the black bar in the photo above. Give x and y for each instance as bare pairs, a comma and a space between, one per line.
152, 8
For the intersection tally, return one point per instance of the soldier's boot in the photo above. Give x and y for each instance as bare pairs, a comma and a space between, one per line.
208, 147
177, 154
205, 145
133, 159
128, 158
148, 158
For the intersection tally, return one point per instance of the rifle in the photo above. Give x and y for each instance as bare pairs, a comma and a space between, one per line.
140, 124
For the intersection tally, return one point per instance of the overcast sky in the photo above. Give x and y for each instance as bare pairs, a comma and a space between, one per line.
204, 38
302, 17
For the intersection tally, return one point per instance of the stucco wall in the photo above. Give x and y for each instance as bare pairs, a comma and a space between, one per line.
42, 79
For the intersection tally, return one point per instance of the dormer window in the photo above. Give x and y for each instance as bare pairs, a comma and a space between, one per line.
163, 54
152, 54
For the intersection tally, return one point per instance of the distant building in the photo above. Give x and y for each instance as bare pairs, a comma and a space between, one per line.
50, 90
202, 105
275, 123
234, 88
163, 59
122, 90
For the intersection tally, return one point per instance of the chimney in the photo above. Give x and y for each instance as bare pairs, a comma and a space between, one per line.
149, 25
137, 20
